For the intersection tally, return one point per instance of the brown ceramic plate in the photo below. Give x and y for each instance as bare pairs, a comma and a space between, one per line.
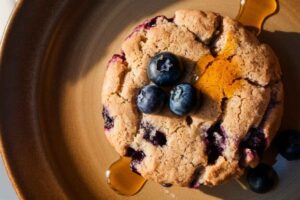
52, 63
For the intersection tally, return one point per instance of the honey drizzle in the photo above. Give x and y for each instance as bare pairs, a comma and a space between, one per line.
218, 80
253, 13
121, 179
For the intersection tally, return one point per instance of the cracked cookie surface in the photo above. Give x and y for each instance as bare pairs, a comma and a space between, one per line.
240, 79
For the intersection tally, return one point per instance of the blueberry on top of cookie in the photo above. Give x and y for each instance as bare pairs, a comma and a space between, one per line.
151, 99
164, 69
182, 99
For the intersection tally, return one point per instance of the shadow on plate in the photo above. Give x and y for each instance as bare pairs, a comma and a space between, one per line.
86, 36
285, 45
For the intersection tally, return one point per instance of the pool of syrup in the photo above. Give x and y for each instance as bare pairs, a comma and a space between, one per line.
253, 13
122, 179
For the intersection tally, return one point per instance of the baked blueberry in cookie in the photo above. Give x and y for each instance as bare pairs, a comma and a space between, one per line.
151, 106
108, 121
152, 135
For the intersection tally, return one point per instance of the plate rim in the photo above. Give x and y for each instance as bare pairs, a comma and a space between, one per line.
5, 155
8, 29
17, 180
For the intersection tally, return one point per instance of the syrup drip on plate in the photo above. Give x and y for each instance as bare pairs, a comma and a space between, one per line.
121, 179
252, 14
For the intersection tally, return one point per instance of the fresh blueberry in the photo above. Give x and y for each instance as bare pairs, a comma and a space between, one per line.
289, 144
183, 99
151, 99
164, 69
262, 178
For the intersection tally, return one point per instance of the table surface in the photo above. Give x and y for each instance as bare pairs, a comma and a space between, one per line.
6, 189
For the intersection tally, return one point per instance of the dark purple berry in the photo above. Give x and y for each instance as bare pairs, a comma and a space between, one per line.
164, 69
154, 136
215, 142
148, 24
129, 152
151, 99
137, 158
289, 144
108, 120
262, 178
183, 99
151, 23
194, 183
188, 120
255, 141
158, 138
117, 57
167, 184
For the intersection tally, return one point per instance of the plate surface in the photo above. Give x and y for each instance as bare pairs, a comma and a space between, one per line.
52, 65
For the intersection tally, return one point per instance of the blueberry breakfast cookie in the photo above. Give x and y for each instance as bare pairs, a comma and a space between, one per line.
193, 99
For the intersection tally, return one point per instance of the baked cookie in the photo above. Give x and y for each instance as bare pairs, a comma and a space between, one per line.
240, 113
